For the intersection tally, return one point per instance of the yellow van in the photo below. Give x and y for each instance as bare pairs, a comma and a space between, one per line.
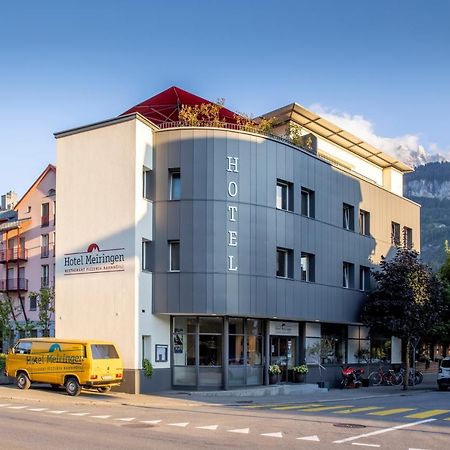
65, 362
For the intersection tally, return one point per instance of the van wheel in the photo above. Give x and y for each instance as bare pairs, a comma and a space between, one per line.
104, 389
22, 381
73, 388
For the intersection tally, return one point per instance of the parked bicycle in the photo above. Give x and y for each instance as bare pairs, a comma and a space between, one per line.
415, 377
385, 377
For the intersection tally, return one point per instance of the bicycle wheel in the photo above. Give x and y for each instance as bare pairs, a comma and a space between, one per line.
375, 378
418, 377
397, 379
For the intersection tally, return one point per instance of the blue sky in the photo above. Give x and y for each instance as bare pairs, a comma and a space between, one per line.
381, 67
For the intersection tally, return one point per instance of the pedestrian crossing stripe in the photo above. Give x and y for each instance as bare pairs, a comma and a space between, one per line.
389, 412
356, 410
427, 414
324, 408
288, 407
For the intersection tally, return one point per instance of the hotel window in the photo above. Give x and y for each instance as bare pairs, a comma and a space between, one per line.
408, 237
33, 302
284, 263
307, 202
146, 183
395, 233
348, 217
175, 184
348, 270
364, 222
146, 255
54, 213
174, 256
284, 195
307, 268
364, 278
44, 246
45, 211
45, 281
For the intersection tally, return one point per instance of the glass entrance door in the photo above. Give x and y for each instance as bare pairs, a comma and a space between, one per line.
283, 353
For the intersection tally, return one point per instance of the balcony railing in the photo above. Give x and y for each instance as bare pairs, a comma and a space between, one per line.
13, 254
14, 284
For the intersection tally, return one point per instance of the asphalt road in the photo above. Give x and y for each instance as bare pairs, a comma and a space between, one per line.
42, 419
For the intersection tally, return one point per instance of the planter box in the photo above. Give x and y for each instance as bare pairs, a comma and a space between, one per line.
273, 379
299, 377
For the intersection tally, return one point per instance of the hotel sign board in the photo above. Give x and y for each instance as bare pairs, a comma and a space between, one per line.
94, 260
283, 328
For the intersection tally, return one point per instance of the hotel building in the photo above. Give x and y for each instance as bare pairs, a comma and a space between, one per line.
215, 249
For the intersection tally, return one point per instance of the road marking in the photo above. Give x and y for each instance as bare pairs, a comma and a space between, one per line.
277, 435
56, 412
182, 424
355, 410
240, 430
388, 412
37, 409
324, 408
151, 422
208, 427
4, 404
16, 407
79, 414
285, 408
126, 419
385, 430
101, 417
260, 406
429, 413
314, 438
365, 445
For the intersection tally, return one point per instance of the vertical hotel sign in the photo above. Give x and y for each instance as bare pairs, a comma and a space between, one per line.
232, 215
94, 260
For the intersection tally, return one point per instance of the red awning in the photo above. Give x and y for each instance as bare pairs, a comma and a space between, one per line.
164, 107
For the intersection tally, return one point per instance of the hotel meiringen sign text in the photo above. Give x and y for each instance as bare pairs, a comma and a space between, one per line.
232, 214
94, 260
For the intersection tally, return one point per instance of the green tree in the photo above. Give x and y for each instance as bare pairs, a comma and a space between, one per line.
442, 330
407, 302
45, 301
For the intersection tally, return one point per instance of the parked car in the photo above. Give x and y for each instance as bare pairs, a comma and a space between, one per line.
443, 377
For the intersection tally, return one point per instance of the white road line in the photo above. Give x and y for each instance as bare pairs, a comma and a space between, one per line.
78, 414
16, 407
182, 424
416, 449
277, 435
101, 417
386, 430
56, 412
240, 430
314, 438
37, 409
4, 404
126, 419
208, 427
365, 445
151, 422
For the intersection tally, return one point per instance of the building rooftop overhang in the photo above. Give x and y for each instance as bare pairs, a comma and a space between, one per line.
333, 133
12, 225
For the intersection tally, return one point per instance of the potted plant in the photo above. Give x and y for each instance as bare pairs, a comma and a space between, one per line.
274, 373
299, 373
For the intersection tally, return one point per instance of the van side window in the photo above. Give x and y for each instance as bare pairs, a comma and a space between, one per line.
23, 348
102, 351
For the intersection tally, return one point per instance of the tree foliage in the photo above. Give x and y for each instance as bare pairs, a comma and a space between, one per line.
441, 331
45, 301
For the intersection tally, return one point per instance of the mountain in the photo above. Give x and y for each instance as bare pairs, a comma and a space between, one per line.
429, 185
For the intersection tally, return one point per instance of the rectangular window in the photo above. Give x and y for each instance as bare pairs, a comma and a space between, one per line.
347, 275
45, 211
174, 256
44, 276
54, 213
307, 267
408, 236
284, 195
284, 263
146, 183
307, 202
364, 222
175, 184
395, 233
33, 303
348, 217
146, 255
44, 246
364, 278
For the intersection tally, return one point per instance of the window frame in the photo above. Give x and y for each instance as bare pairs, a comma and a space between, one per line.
173, 175
348, 275
172, 244
364, 222
395, 234
348, 223
310, 267
145, 255
309, 195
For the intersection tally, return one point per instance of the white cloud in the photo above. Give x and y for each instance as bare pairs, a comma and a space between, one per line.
406, 148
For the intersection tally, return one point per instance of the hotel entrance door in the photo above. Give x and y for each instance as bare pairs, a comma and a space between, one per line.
283, 353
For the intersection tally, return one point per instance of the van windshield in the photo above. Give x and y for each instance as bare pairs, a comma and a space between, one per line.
104, 351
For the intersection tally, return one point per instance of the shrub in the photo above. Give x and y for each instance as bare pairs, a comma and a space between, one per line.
148, 368
303, 368
2, 362
274, 369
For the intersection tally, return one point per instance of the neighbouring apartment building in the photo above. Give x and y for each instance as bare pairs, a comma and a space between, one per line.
215, 249
27, 251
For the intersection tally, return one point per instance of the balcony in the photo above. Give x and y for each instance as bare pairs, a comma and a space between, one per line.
14, 254
14, 285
